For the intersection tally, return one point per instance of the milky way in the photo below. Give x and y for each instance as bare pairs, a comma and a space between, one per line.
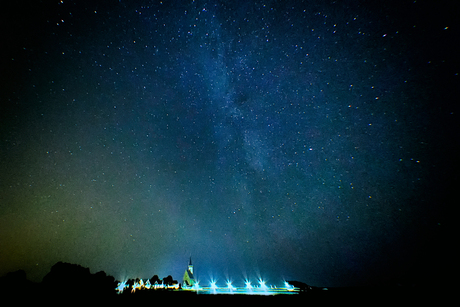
280, 139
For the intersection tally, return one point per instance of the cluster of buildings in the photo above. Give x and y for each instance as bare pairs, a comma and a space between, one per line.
190, 284
141, 285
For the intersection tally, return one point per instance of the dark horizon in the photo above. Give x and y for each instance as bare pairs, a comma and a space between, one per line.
79, 278
286, 140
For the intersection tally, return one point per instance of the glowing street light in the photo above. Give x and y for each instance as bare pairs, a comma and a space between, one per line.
262, 285
288, 286
121, 287
230, 287
213, 286
248, 285
135, 287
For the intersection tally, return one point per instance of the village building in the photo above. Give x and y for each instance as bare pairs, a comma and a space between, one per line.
189, 279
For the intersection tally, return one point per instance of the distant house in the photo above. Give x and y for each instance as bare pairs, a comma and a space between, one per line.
189, 280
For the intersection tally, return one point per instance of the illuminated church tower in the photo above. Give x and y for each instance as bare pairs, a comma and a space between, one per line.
190, 266
189, 280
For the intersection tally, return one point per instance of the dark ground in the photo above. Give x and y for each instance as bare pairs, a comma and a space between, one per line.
359, 296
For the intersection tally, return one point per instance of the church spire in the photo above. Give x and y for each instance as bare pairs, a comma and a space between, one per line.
190, 265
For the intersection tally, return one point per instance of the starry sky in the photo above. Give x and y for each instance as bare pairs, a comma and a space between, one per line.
298, 140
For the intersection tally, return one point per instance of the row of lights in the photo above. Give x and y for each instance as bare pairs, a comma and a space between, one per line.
213, 287
248, 286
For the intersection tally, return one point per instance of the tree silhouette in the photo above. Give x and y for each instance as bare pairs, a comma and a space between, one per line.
67, 280
155, 279
168, 280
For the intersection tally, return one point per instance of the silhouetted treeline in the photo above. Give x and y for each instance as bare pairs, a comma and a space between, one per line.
67, 279
66, 282
303, 287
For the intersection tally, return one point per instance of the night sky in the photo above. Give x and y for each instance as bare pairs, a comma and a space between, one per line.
298, 140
